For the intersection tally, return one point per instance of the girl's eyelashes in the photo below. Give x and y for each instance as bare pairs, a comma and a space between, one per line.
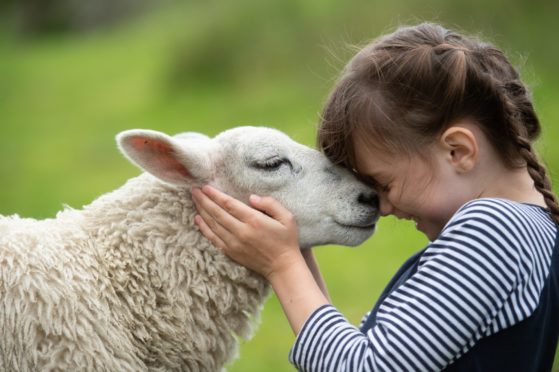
382, 187
374, 183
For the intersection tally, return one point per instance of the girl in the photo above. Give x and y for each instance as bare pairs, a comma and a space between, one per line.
442, 126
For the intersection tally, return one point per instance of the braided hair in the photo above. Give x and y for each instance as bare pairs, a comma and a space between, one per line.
412, 84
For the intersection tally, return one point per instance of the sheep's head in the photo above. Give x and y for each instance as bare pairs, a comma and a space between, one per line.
330, 205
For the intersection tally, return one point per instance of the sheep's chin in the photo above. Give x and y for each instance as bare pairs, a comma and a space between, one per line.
370, 226
356, 234
338, 234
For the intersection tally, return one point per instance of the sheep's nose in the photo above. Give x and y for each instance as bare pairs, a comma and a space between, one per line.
369, 199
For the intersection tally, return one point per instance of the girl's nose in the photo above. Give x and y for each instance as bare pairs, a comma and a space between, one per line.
385, 207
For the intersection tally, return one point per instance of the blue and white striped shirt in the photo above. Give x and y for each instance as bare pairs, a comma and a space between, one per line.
485, 273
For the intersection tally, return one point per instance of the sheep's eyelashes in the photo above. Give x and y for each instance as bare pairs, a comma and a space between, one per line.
271, 164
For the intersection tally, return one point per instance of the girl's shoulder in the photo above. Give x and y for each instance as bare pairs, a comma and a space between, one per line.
498, 225
519, 238
502, 214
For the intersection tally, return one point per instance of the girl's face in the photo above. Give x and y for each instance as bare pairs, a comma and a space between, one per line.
410, 187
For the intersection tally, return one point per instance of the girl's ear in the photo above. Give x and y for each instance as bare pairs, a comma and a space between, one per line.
461, 147
172, 160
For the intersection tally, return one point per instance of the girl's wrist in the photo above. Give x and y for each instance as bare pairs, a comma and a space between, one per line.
297, 291
283, 264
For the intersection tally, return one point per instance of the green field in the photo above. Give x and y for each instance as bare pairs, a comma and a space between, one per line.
208, 66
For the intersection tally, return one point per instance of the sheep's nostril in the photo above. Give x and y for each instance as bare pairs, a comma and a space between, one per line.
369, 199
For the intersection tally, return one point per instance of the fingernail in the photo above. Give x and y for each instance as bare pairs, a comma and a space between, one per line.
255, 198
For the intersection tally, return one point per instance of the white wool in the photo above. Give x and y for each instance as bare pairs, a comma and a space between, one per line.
128, 283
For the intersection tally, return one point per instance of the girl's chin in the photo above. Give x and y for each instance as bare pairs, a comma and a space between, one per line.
430, 232
431, 235
426, 231
418, 225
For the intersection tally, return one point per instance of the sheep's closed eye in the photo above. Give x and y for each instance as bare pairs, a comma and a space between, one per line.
272, 163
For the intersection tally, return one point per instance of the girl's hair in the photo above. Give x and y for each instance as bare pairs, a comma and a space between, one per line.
405, 88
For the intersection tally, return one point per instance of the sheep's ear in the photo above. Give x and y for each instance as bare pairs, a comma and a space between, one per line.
174, 160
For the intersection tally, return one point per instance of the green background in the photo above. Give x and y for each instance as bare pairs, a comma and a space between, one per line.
66, 91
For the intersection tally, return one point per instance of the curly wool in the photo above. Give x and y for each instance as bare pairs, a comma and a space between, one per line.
126, 284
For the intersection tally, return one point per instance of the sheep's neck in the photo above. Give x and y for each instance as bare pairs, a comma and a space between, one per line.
133, 225
165, 274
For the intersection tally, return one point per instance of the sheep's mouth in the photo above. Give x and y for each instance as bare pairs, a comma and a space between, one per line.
367, 226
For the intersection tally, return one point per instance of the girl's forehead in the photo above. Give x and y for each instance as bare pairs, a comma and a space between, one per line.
374, 160
366, 148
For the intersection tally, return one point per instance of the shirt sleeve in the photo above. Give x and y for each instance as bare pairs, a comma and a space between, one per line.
459, 293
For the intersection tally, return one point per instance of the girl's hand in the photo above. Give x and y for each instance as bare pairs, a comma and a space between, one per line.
264, 239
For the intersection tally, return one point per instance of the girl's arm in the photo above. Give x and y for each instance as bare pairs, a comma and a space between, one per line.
459, 293
266, 241
298, 293
315, 270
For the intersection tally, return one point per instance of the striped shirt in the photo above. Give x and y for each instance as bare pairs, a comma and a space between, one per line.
486, 283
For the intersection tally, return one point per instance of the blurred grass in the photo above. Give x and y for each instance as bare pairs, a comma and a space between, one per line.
208, 66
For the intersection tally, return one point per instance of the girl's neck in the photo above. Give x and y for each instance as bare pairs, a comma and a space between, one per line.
515, 185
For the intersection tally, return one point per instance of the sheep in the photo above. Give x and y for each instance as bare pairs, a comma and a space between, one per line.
129, 284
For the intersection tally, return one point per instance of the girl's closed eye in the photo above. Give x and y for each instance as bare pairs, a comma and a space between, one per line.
379, 186
375, 183
382, 186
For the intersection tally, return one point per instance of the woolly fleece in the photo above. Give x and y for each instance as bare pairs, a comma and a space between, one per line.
121, 286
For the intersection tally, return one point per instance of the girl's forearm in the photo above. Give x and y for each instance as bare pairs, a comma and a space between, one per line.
298, 293
310, 259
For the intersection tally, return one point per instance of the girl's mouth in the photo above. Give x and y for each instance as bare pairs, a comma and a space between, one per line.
416, 221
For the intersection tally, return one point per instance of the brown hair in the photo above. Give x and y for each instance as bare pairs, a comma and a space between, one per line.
405, 88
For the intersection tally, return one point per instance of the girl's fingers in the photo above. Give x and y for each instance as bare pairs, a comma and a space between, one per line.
208, 232
234, 207
214, 226
210, 211
272, 208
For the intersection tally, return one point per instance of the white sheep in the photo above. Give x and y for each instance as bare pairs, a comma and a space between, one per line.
129, 284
